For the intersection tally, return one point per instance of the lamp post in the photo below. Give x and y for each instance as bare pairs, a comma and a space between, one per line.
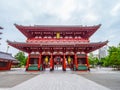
7, 49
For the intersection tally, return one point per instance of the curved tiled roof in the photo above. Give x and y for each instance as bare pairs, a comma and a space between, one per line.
40, 30
28, 47
6, 56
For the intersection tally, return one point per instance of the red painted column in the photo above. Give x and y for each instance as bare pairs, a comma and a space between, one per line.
28, 59
76, 62
9, 65
64, 63
87, 62
51, 62
39, 61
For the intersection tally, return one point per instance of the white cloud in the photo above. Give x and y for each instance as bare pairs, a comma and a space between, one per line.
26, 16
80, 12
58, 8
90, 17
62, 9
115, 10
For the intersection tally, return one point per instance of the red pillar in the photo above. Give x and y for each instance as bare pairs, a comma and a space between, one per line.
51, 62
28, 60
87, 62
76, 62
9, 65
64, 63
39, 61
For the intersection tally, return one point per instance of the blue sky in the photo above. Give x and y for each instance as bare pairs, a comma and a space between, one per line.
60, 12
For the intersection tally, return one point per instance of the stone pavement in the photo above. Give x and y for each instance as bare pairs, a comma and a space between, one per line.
104, 76
11, 80
97, 79
58, 80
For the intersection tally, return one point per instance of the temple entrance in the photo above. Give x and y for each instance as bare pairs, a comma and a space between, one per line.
70, 62
46, 62
61, 62
33, 64
58, 61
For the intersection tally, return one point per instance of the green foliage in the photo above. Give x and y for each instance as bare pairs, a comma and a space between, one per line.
93, 60
114, 56
105, 61
112, 59
21, 57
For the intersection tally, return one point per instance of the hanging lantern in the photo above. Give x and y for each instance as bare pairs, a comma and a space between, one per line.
69, 60
57, 35
46, 59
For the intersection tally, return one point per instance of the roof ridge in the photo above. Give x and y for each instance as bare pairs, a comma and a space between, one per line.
5, 53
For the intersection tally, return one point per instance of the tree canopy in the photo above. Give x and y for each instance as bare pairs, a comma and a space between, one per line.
114, 56
93, 60
112, 59
21, 57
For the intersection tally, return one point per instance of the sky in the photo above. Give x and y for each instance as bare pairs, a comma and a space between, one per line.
60, 12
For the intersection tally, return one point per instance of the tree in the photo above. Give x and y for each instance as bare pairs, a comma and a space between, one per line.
112, 59
93, 60
114, 56
105, 61
21, 57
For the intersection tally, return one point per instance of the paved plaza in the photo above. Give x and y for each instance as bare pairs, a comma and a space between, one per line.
103, 79
11, 80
